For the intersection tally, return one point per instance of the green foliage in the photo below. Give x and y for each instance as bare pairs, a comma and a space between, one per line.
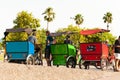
100, 37
41, 36
78, 19
1, 45
17, 36
23, 20
74, 37
77, 38
49, 15
107, 18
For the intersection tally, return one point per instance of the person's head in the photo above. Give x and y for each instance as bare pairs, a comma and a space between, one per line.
67, 37
34, 34
107, 41
47, 32
119, 37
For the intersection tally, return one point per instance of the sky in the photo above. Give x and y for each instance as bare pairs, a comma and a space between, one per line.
91, 10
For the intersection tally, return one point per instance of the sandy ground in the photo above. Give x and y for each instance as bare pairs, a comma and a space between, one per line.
115, 76
13, 71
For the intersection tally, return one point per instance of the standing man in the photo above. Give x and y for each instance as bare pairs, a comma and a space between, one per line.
117, 53
48, 55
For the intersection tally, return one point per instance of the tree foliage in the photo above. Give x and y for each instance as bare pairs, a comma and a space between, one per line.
78, 19
23, 20
0, 45
74, 37
41, 38
107, 18
77, 38
100, 37
49, 15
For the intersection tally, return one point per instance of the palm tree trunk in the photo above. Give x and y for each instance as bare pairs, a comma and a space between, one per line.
47, 25
107, 26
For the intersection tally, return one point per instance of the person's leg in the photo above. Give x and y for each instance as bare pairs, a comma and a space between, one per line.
48, 61
116, 61
119, 64
116, 64
113, 64
49, 58
119, 61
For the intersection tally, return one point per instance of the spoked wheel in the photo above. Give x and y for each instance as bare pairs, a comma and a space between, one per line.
57, 65
30, 60
71, 63
38, 57
38, 61
97, 64
81, 66
104, 64
6, 58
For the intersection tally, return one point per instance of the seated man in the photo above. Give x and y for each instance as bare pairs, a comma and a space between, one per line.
67, 40
32, 38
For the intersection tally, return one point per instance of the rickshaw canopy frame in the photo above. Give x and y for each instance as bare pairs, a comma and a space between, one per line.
93, 31
14, 30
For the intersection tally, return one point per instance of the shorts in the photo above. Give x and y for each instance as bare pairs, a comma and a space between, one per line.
117, 55
47, 53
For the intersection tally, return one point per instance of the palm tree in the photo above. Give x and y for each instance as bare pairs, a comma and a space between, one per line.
107, 19
78, 19
49, 15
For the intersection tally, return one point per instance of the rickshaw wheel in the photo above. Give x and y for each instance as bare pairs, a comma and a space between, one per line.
38, 62
71, 63
30, 60
97, 64
41, 62
104, 64
81, 64
57, 65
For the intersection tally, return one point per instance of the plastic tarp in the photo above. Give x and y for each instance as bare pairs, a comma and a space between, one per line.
93, 31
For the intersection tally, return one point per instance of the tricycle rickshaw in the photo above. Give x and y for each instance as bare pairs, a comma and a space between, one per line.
95, 53
22, 50
63, 54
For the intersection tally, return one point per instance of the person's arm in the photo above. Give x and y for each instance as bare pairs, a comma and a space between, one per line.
118, 46
35, 41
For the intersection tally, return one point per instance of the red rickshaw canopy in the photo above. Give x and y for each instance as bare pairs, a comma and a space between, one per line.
93, 31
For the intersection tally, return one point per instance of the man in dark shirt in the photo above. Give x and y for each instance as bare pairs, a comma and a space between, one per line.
117, 53
67, 40
49, 41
